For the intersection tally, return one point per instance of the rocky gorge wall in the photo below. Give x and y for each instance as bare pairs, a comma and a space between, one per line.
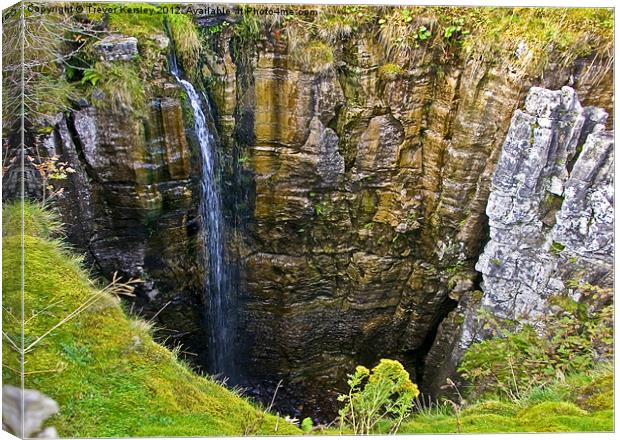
130, 202
367, 206
550, 210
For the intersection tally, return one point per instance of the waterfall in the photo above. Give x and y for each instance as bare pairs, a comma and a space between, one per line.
217, 283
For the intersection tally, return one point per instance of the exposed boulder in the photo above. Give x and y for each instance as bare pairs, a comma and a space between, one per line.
117, 48
25, 411
550, 209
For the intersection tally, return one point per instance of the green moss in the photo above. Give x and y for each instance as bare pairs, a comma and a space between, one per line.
314, 56
496, 416
597, 395
107, 374
490, 423
139, 25
390, 71
491, 407
546, 409
477, 295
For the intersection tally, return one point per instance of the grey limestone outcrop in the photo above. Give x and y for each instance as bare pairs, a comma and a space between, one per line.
551, 205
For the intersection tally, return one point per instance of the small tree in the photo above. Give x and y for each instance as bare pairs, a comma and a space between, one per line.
50, 169
385, 393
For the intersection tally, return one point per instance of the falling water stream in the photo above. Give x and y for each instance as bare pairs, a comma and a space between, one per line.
217, 282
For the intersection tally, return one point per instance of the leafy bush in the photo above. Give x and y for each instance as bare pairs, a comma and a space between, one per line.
385, 393
572, 339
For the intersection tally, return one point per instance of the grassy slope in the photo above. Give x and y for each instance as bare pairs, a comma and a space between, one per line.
584, 403
107, 374
581, 403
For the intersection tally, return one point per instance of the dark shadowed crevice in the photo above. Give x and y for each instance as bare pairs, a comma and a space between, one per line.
79, 147
415, 360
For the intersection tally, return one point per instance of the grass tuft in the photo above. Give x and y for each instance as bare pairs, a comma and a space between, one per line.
121, 86
186, 40
314, 56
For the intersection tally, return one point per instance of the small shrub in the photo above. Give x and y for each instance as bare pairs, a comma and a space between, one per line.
306, 425
569, 340
385, 393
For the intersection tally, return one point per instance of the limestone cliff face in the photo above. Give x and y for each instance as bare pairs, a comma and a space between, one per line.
368, 211
547, 211
550, 210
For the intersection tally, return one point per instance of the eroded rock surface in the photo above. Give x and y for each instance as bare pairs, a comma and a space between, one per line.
366, 215
550, 210
545, 210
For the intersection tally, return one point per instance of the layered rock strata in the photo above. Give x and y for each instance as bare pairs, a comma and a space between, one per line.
367, 208
551, 211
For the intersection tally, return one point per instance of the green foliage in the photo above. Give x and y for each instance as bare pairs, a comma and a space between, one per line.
307, 425
91, 76
456, 268
218, 28
319, 208
121, 85
246, 32
556, 247
386, 393
106, 383
566, 341
455, 30
423, 34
